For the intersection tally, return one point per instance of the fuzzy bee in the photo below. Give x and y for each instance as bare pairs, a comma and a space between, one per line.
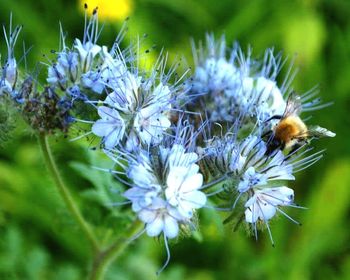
291, 132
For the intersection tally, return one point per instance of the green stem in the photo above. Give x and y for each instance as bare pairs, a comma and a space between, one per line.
107, 256
64, 191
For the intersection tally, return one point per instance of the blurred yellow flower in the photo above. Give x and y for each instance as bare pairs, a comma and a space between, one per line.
109, 9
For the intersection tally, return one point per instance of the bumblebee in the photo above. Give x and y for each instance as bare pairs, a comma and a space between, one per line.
291, 132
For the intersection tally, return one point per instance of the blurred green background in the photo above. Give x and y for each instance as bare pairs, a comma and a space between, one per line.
39, 240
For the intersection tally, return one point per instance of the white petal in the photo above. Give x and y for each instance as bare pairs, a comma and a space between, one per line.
248, 145
164, 122
258, 210
185, 210
113, 138
135, 206
142, 175
249, 217
278, 196
280, 173
196, 199
267, 211
132, 142
250, 201
133, 193
176, 177
171, 228
192, 183
102, 128
108, 113
192, 169
147, 216
155, 227
243, 186
95, 50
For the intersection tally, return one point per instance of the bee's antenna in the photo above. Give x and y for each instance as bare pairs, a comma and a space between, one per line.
275, 117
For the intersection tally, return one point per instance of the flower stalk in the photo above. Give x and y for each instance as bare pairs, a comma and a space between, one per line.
64, 191
105, 257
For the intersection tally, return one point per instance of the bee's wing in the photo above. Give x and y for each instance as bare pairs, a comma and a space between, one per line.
318, 132
315, 132
293, 106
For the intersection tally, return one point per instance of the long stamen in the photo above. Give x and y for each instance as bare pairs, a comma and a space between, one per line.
168, 256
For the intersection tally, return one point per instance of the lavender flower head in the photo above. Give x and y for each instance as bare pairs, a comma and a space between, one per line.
233, 84
235, 104
137, 110
138, 107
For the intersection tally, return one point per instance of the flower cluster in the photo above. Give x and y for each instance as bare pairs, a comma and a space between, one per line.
166, 189
140, 124
136, 111
255, 176
42, 107
86, 66
228, 131
236, 85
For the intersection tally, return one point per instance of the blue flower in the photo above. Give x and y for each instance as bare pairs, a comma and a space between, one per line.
145, 103
163, 203
111, 126
233, 85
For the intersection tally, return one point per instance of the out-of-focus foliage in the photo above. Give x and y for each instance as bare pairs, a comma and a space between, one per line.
38, 239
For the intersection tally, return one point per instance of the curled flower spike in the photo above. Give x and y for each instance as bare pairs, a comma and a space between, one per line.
87, 65
214, 73
250, 174
144, 104
248, 161
231, 84
46, 111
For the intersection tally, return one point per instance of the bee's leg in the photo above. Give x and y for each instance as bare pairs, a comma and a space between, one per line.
282, 146
294, 149
267, 133
272, 146
275, 117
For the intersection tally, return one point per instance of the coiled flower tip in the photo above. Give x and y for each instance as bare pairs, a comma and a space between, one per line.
137, 110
